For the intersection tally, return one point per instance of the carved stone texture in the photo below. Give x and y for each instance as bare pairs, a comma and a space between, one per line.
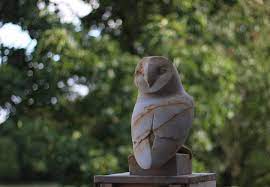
163, 113
180, 164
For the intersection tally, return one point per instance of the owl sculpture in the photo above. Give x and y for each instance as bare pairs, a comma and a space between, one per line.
163, 113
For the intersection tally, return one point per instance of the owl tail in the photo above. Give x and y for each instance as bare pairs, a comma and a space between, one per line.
184, 149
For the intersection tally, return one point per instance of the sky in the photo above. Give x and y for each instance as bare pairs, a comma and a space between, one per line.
12, 35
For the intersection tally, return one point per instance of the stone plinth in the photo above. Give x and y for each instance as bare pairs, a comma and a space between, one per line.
180, 164
127, 180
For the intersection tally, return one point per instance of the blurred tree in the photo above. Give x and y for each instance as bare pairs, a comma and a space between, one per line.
70, 100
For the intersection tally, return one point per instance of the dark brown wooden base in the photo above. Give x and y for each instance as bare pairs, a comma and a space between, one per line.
180, 164
127, 180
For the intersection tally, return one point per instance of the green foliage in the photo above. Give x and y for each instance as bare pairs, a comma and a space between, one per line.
9, 168
221, 49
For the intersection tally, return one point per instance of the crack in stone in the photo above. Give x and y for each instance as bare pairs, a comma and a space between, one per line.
150, 108
149, 134
174, 116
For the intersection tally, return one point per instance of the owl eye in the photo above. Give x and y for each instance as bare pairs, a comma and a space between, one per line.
162, 70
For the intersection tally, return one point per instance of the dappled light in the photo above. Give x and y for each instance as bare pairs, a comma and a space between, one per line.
67, 85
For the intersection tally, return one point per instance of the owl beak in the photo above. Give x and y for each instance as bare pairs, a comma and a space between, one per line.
149, 76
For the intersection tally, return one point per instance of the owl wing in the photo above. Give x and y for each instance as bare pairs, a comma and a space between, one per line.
156, 133
141, 127
171, 126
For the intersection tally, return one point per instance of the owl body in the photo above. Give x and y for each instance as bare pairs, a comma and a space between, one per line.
159, 128
161, 118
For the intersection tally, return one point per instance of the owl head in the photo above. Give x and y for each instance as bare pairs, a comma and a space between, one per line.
156, 74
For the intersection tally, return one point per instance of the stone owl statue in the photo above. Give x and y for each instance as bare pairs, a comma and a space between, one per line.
162, 115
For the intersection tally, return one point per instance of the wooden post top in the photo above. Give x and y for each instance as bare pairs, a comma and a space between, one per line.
180, 179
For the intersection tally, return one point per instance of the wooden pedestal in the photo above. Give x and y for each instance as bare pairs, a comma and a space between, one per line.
180, 164
127, 180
